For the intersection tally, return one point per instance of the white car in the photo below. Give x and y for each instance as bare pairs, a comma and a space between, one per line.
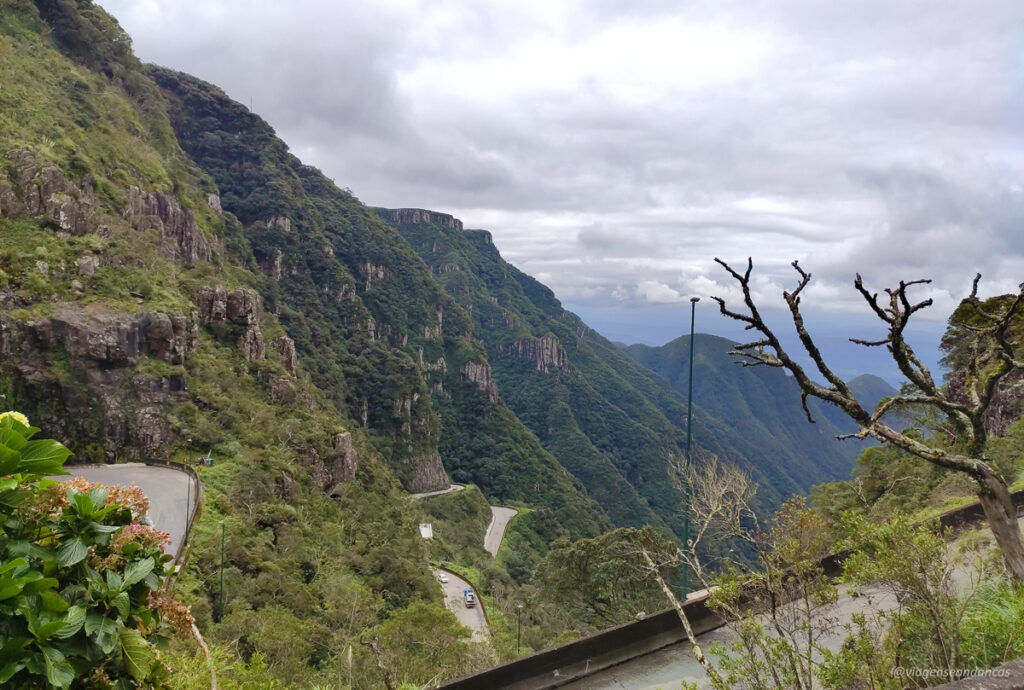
442, 578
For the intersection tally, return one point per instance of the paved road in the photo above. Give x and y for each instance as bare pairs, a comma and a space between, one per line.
428, 494
171, 493
453, 598
669, 667
500, 518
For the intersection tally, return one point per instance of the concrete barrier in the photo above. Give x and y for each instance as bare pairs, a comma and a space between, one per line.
551, 668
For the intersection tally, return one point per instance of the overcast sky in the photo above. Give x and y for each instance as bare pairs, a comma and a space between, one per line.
615, 147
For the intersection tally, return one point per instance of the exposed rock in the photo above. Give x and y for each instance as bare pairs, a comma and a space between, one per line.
87, 265
375, 273
433, 332
107, 398
347, 293
480, 374
338, 468
403, 216
282, 223
45, 191
176, 226
272, 263
282, 389
545, 352
77, 287
213, 200
285, 348
1007, 404
485, 235
426, 474
448, 268
251, 343
213, 304
239, 307
43, 268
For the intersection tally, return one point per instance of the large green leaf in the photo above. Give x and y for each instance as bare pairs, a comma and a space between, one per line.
53, 601
136, 570
82, 503
71, 552
9, 669
59, 672
123, 604
138, 654
73, 622
45, 450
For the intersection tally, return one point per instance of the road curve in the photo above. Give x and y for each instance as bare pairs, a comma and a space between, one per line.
450, 489
453, 599
171, 492
500, 518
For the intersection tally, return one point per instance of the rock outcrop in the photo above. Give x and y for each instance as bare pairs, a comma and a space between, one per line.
285, 348
339, 466
545, 352
101, 392
240, 308
404, 216
1007, 404
480, 374
176, 226
38, 188
426, 474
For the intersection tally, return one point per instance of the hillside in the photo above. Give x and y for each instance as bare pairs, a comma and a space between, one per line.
762, 406
610, 421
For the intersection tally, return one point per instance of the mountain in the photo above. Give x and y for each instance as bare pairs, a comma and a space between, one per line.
371, 325
175, 284
615, 417
760, 406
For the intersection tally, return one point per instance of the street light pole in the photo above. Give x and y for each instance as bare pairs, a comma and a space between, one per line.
221, 595
689, 438
519, 626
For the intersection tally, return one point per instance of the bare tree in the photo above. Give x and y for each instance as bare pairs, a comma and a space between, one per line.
992, 358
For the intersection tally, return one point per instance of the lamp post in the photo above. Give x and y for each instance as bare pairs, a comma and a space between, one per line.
220, 597
689, 438
519, 626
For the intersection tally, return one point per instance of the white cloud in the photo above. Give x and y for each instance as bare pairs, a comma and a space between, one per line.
614, 149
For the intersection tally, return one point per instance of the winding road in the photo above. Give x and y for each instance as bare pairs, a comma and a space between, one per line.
500, 517
171, 492
472, 618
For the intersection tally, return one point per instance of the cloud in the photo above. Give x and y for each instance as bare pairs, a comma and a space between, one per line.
615, 148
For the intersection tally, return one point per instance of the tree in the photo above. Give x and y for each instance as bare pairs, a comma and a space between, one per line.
992, 357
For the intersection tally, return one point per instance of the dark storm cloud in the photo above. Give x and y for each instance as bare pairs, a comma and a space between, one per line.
615, 148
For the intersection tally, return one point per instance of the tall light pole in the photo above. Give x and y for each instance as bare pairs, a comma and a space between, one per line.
689, 438
519, 626
220, 603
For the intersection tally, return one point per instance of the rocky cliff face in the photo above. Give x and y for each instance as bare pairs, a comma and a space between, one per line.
338, 467
99, 391
1007, 403
240, 308
426, 473
401, 216
480, 374
37, 188
546, 352
175, 226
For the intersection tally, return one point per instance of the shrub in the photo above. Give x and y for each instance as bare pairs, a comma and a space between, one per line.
79, 577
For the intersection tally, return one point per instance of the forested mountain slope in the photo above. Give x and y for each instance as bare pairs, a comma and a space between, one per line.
612, 422
377, 332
